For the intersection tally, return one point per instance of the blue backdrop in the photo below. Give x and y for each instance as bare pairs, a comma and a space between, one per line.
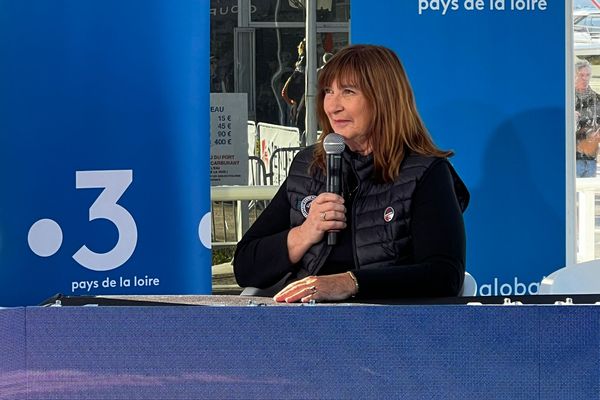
98, 94
490, 84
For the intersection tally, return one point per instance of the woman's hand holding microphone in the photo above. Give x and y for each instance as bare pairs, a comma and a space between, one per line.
326, 213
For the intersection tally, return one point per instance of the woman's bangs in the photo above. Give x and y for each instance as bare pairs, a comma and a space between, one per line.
343, 71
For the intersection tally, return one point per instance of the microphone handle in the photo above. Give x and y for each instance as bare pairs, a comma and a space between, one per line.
331, 238
334, 172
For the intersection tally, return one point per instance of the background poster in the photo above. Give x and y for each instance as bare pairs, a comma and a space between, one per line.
489, 79
104, 156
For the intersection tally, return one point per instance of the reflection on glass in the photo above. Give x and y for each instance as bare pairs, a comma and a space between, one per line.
279, 60
223, 19
276, 52
294, 10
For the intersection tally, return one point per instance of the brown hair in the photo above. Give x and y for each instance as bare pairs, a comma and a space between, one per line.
396, 126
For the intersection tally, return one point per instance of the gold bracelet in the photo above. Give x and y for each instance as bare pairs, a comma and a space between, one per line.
355, 282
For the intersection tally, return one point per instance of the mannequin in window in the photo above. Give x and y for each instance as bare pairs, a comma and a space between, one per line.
293, 89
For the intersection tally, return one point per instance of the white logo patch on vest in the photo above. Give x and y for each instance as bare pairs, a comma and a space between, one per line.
388, 214
305, 204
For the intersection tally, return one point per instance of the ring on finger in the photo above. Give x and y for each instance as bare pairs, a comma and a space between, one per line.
324, 216
313, 289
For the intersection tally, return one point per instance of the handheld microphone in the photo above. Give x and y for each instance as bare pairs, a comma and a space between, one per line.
334, 146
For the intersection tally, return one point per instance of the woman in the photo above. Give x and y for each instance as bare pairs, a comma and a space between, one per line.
399, 218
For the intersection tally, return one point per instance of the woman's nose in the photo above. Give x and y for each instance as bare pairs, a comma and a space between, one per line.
333, 104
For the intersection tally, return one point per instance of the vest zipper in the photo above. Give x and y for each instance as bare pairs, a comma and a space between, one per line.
355, 194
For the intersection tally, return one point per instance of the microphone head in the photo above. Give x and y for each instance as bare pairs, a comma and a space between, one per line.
334, 143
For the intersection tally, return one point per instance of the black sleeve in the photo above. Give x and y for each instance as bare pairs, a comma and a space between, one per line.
261, 258
438, 245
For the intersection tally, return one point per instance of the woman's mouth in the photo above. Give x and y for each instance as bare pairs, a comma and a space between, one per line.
341, 122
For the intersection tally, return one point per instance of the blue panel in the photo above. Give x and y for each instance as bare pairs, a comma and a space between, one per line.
13, 373
491, 86
12, 340
570, 351
95, 86
441, 352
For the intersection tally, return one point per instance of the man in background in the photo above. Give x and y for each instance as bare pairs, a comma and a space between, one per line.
587, 117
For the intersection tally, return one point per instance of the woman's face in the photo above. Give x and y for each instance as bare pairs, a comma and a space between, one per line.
349, 115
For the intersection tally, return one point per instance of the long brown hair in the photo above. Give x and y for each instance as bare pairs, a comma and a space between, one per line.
396, 127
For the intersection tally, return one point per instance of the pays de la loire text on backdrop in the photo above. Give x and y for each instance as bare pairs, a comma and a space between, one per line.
108, 282
445, 6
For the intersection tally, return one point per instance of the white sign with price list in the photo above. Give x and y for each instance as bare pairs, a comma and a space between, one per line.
228, 139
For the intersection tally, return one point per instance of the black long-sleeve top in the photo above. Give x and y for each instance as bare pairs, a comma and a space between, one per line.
438, 246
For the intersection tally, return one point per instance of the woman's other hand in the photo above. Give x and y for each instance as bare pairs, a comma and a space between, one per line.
318, 288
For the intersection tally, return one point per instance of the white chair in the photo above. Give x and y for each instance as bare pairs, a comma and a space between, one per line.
583, 278
469, 286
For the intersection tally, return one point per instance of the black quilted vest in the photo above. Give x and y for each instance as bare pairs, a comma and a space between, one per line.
377, 243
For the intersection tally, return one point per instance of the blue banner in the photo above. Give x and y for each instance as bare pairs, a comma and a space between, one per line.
489, 78
104, 150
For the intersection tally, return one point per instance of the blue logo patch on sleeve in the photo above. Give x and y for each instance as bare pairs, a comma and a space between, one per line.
305, 204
